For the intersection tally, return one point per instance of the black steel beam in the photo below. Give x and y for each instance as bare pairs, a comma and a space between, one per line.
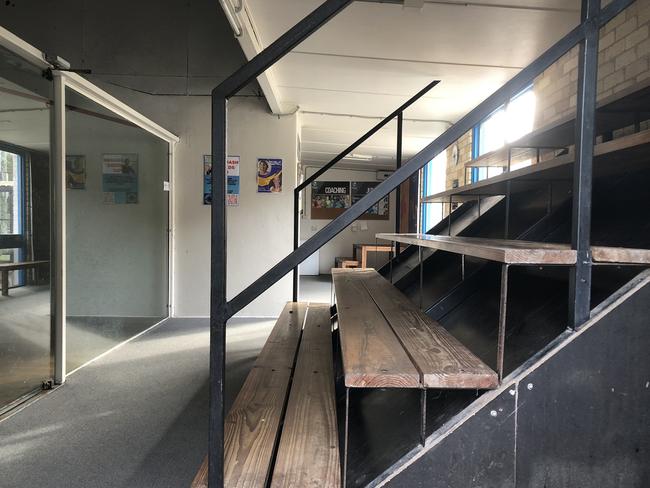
218, 302
368, 134
498, 98
398, 192
296, 231
280, 47
493, 102
580, 281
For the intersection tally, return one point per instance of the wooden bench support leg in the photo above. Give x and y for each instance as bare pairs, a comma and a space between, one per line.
423, 420
346, 426
502, 320
5, 283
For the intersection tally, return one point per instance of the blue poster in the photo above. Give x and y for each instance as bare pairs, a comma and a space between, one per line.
120, 178
269, 175
232, 180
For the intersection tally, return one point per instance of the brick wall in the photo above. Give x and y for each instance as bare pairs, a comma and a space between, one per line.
623, 63
457, 171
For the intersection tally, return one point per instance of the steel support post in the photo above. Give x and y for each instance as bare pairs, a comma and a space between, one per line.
449, 216
398, 165
503, 310
421, 276
423, 416
218, 303
580, 280
346, 435
296, 231
506, 231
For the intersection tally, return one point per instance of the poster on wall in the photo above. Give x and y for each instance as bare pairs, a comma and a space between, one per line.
232, 183
207, 179
232, 177
269, 175
329, 199
75, 172
120, 178
378, 211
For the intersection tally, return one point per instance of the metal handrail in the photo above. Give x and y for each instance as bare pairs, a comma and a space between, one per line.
296, 193
585, 34
489, 105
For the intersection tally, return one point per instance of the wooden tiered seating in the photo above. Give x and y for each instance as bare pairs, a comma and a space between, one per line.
629, 151
520, 252
306, 436
386, 342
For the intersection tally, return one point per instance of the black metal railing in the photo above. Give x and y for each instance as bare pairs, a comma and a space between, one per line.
399, 114
586, 34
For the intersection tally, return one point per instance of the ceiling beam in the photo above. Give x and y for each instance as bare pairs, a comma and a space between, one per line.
251, 45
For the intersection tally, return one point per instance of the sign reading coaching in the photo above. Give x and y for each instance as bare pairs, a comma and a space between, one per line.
329, 199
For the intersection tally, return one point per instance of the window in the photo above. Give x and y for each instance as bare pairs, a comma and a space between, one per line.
507, 124
434, 175
10, 193
11, 211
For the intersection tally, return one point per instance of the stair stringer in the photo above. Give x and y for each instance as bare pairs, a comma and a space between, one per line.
575, 414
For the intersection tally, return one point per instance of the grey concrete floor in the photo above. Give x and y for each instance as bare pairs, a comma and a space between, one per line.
135, 418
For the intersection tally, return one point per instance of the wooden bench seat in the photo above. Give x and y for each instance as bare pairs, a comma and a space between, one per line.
520, 252
285, 409
5, 268
386, 342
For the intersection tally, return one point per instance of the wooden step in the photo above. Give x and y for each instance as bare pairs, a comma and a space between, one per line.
305, 438
372, 354
252, 426
308, 454
387, 342
520, 252
499, 250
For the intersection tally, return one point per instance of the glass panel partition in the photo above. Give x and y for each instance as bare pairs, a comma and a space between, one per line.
25, 209
117, 220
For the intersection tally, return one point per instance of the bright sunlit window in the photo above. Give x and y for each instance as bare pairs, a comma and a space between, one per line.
434, 177
509, 123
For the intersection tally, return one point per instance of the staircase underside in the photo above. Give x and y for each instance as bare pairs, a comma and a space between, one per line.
575, 414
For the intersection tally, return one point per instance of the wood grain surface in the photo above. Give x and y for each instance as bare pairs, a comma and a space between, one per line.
372, 355
308, 454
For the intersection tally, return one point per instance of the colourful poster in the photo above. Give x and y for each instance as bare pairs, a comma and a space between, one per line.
232, 180
329, 199
269, 175
380, 210
75, 172
120, 178
232, 176
207, 179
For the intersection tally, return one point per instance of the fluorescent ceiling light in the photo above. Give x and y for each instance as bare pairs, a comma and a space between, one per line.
232, 17
360, 157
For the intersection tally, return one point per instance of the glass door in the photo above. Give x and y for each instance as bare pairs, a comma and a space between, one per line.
25, 231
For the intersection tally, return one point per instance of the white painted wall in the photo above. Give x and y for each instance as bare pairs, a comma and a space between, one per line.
117, 254
341, 245
259, 229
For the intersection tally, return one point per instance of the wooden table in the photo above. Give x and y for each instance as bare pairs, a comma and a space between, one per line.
366, 248
5, 268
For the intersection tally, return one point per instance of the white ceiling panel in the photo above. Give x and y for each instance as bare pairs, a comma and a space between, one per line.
372, 57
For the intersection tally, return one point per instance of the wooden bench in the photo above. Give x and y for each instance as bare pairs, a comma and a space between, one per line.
360, 252
5, 268
285, 440
342, 262
516, 253
387, 342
